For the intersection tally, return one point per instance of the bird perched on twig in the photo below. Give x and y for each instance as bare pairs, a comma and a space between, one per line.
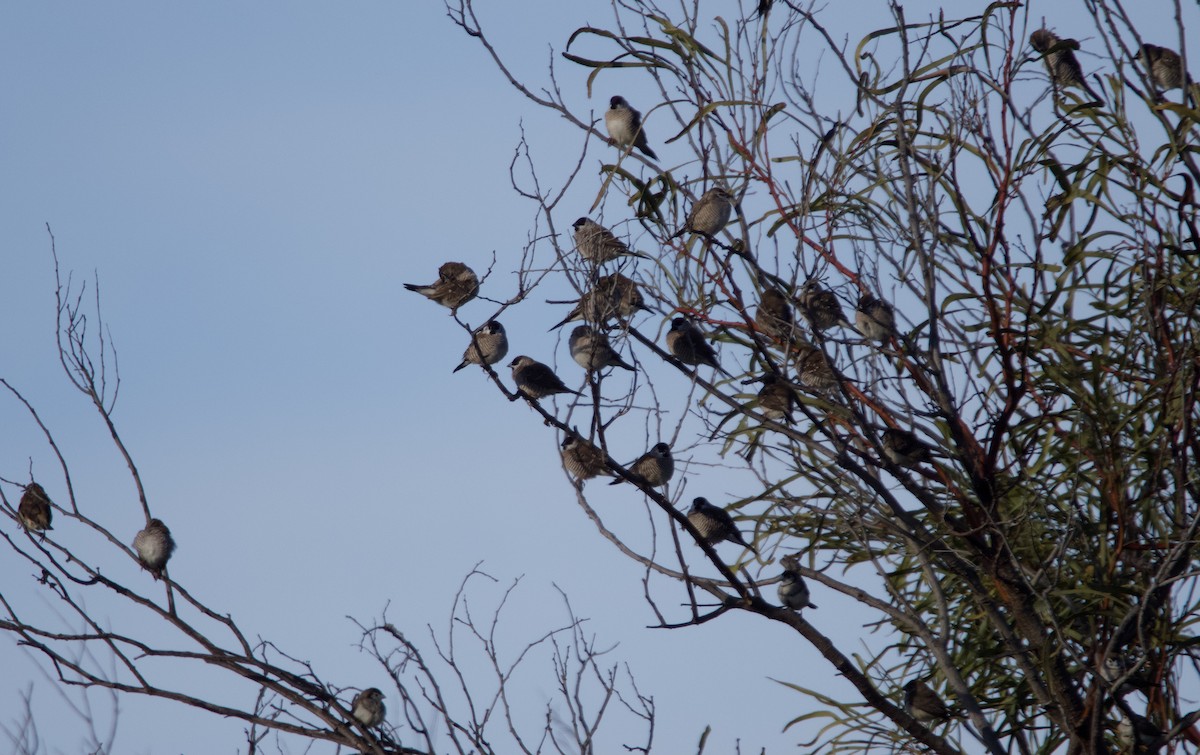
776, 398
715, 524
33, 512
535, 380
711, 212
793, 592
368, 708
1163, 66
687, 344
1059, 56
774, 317
456, 285
624, 126
591, 350
154, 546
903, 448
653, 468
874, 318
489, 344
582, 458
598, 245
923, 704
614, 295
814, 369
821, 307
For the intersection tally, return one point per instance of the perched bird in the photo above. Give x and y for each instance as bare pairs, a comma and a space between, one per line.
923, 704
489, 344
776, 398
874, 318
624, 126
903, 448
154, 547
614, 295
686, 343
582, 458
591, 350
598, 244
1059, 56
456, 285
34, 509
1164, 67
821, 307
710, 213
793, 592
654, 468
535, 380
815, 371
368, 708
715, 524
774, 314
1138, 736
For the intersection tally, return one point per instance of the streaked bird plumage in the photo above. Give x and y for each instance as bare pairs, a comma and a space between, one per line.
821, 307
597, 244
1061, 63
154, 546
535, 380
1163, 66
33, 511
774, 316
591, 350
613, 295
456, 285
489, 344
715, 524
582, 459
813, 368
624, 126
711, 212
776, 398
654, 468
687, 344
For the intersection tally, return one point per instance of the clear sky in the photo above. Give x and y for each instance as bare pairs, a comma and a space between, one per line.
252, 182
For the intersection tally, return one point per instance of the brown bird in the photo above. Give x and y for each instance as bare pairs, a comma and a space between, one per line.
597, 244
34, 511
654, 468
614, 295
903, 448
1164, 67
776, 398
368, 708
535, 380
1059, 56
821, 307
154, 547
773, 317
815, 371
456, 285
715, 524
711, 212
489, 344
624, 126
686, 343
591, 350
923, 704
582, 458
874, 318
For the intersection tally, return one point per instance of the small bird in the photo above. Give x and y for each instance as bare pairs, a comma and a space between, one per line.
814, 369
489, 344
903, 448
154, 547
598, 244
456, 285
591, 350
774, 315
614, 295
33, 512
776, 398
624, 126
711, 212
715, 524
582, 458
923, 704
686, 343
821, 307
535, 380
654, 468
1059, 56
874, 318
368, 708
793, 592
1164, 67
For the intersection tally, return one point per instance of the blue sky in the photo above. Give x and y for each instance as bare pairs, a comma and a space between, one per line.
252, 183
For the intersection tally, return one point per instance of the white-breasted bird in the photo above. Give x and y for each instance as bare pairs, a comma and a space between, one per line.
715, 524
903, 448
591, 350
535, 380
489, 344
624, 126
456, 285
654, 468
874, 318
368, 708
154, 546
793, 592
